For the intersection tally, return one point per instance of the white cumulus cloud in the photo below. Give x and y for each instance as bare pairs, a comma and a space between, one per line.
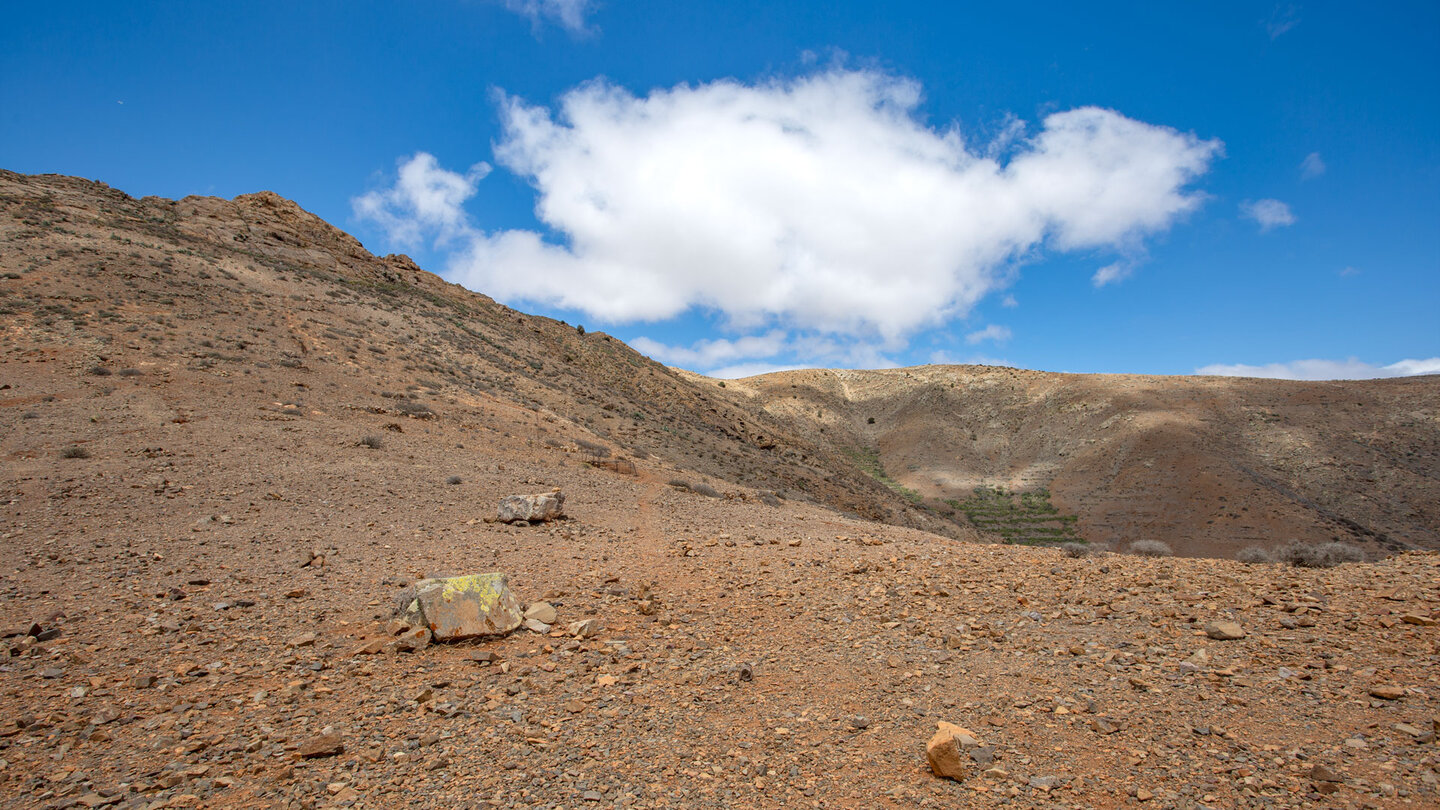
1270, 214
1351, 369
823, 204
425, 201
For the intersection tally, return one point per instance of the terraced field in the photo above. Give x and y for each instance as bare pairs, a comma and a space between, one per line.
1026, 518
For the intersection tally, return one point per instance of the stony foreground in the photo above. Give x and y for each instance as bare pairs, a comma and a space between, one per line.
749, 657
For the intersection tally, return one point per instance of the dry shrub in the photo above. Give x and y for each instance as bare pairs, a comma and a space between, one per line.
1076, 549
1151, 548
1324, 555
1255, 555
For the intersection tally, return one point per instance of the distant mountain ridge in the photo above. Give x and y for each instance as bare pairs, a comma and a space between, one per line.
1209, 465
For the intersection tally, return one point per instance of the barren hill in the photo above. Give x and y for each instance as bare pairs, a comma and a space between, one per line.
231, 436
1209, 465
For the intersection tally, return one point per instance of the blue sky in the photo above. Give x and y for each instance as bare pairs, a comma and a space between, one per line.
739, 186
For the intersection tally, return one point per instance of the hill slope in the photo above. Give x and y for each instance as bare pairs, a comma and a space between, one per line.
1209, 465
204, 289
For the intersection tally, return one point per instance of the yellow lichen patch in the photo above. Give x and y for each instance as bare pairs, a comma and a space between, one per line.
485, 588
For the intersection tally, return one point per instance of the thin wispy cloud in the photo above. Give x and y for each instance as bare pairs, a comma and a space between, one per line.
1351, 369
1282, 20
568, 14
1269, 214
822, 204
946, 358
993, 333
1312, 166
1113, 272
709, 354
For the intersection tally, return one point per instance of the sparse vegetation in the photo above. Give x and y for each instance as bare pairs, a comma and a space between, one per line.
372, 442
592, 450
1077, 550
1324, 555
1255, 555
1151, 548
454, 480
869, 461
1028, 518
410, 407
99, 371
74, 451
130, 372
706, 490
678, 483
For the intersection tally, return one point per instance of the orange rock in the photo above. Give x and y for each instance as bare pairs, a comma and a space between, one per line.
946, 751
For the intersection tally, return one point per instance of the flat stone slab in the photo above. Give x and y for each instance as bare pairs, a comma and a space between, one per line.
464, 607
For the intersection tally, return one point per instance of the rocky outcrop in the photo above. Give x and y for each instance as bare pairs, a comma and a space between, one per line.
456, 608
533, 508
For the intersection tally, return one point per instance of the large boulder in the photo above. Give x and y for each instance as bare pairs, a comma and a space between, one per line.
456, 608
534, 508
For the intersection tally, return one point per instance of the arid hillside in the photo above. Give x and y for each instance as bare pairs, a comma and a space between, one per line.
257, 301
1208, 465
231, 438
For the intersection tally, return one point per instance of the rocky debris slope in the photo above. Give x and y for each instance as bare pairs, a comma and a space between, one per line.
212, 289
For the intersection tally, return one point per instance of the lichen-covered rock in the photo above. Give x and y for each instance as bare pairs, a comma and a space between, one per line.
534, 508
456, 608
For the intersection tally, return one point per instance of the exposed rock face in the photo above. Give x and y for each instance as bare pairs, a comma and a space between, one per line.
463, 607
534, 508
